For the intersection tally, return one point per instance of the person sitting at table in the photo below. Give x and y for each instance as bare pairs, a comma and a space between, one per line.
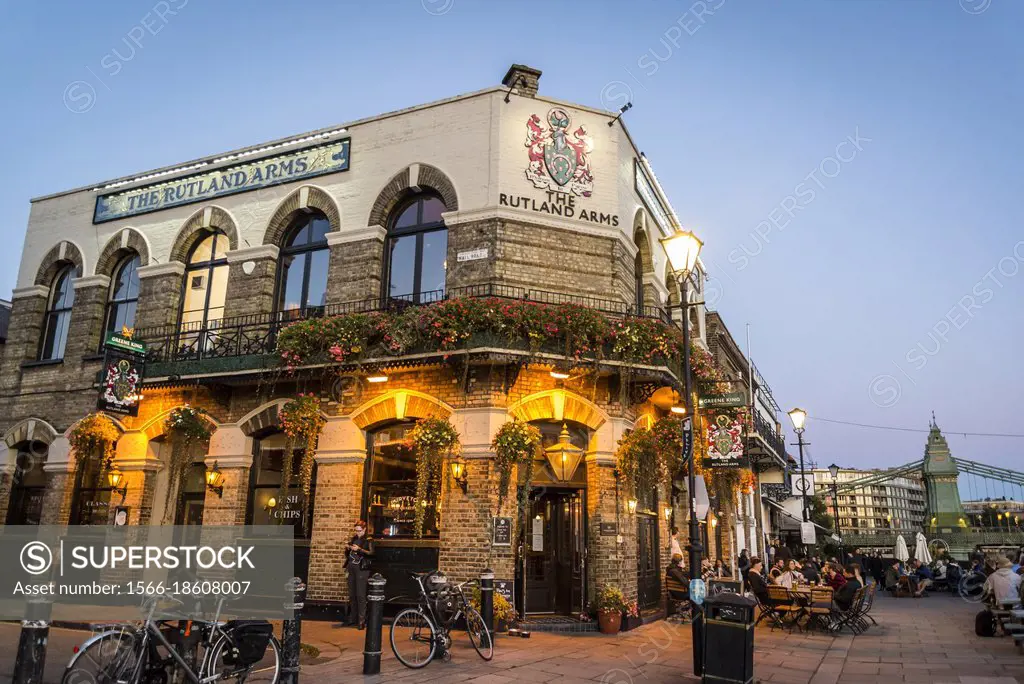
857, 573
1003, 584
777, 569
721, 570
834, 577
790, 577
923, 576
755, 580
810, 572
844, 595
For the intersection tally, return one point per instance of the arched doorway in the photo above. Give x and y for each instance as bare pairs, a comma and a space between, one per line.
28, 485
551, 570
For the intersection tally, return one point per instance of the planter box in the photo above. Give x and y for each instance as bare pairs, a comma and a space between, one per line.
629, 623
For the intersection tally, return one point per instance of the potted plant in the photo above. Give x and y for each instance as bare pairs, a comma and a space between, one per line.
504, 614
631, 616
610, 604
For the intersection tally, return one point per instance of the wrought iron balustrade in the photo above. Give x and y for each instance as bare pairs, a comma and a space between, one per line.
767, 432
256, 334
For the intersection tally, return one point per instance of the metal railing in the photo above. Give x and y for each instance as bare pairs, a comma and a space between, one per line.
256, 334
767, 432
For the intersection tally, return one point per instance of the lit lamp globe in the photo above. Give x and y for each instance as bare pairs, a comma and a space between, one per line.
798, 416
682, 248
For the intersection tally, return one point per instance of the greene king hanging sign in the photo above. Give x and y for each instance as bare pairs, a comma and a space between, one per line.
261, 173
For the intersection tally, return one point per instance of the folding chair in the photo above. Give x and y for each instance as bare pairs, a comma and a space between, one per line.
869, 601
851, 618
782, 605
820, 607
678, 596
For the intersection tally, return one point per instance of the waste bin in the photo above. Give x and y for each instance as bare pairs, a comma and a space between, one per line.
728, 638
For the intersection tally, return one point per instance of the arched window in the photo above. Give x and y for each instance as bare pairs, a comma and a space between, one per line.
58, 315
390, 502
206, 282
268, 504
417, 251
124, 295
304, 261
28, 485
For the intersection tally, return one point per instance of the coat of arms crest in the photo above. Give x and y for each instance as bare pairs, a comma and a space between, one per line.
559, 158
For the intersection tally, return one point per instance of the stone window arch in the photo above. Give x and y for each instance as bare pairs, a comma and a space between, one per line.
643, 263
126, 241
307, 199
303, 263
198, 226
123, 297
410, 180
59, 256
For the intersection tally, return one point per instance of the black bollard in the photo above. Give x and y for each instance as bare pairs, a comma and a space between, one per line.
374, 624
35, 630
291, 633
487, 598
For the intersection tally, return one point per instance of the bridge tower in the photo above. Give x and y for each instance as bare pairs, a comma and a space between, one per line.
940, 474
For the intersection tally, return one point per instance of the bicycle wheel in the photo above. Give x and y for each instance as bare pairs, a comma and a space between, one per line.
107, 658
225, 665
479, 635
412, 638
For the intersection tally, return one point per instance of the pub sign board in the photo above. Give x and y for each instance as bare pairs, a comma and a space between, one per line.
505, 588
124, 365
502, 532
608, 529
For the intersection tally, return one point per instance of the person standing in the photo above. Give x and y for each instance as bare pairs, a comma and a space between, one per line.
358, 557
743, 564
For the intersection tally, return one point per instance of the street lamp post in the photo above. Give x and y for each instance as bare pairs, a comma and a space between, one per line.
834, 471
683, 248
798, 416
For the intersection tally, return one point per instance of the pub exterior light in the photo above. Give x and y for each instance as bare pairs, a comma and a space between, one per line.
563, 456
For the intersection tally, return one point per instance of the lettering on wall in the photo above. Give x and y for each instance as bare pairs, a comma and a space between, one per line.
558, 204
261, 173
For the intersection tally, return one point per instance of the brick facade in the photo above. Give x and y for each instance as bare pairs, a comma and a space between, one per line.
465, 151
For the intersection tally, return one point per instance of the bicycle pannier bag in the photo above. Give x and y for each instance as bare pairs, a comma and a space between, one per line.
251, 640
985, 623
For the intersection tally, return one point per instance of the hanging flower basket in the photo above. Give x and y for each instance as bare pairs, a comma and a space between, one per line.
432, 438
515, 444
94, 436
185, 426
302, 423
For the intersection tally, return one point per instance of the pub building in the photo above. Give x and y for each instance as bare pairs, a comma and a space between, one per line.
516, 202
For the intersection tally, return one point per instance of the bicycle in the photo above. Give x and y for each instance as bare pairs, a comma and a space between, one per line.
130, 654
420, 634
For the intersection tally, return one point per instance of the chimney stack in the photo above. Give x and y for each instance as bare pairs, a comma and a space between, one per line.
524, 79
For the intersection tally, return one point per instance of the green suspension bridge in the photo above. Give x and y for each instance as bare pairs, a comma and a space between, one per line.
994, 523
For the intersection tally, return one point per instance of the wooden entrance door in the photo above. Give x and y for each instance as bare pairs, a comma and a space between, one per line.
554, 552
648, 569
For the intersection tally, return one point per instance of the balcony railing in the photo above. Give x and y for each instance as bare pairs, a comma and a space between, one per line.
256, 335
767, 432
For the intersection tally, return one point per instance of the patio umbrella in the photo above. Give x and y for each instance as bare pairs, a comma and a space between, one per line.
921, 551
901, 552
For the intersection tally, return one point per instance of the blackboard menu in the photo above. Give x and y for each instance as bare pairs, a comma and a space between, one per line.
504, 587
502, 532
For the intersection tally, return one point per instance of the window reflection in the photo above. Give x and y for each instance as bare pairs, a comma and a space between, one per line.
391, 487
305, 258
417, 251
58, 315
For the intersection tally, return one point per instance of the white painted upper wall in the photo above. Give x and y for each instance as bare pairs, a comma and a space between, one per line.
478, 141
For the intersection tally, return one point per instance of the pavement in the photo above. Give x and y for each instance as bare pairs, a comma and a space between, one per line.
925, 640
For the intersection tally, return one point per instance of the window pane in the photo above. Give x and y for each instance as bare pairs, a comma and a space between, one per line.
122, 315
196, 284
218, 293
56, 335
291, 292
318, 229
435, 255
203, 251
220, 250
432, 208
402, 264
318, 277
408, 217
63, 292
132, 279
300, 236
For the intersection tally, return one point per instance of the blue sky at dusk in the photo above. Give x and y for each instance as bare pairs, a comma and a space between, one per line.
882, 277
